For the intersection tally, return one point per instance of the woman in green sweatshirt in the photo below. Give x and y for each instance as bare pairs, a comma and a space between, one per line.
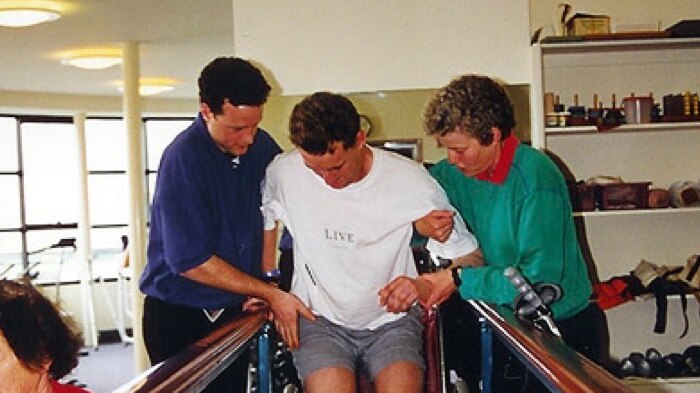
516, 203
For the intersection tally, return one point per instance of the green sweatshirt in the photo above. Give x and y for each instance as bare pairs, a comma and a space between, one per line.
525, 221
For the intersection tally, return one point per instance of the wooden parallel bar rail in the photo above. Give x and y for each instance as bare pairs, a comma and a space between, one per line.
192, 369
559, 367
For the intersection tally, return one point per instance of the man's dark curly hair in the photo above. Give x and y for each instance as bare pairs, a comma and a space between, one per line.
472, 104
234, 79
35, 329
322, 119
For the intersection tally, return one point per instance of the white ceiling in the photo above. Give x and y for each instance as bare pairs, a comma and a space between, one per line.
176, 39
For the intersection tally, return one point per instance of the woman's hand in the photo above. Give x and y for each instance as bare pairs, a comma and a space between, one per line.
436, 225
438, 287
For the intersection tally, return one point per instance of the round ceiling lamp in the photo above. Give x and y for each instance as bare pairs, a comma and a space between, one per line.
27, 13
92, 62
151, 86
92, 58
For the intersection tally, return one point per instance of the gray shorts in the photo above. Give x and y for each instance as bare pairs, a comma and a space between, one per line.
325, 344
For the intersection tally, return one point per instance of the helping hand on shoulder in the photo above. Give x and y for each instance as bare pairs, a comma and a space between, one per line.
437, 224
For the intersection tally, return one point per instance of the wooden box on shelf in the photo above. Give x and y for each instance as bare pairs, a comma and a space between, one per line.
585, 24
624, 196
582, 196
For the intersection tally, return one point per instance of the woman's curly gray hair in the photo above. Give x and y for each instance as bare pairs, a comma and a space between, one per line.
472, 104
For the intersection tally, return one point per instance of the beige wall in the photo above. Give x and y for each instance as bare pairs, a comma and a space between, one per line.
17, 102
394, 115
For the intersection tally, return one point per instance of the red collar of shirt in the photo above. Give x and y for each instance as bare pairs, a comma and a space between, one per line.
505, 161
61, 388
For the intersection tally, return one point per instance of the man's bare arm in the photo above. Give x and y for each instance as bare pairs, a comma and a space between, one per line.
269, 249
217, 273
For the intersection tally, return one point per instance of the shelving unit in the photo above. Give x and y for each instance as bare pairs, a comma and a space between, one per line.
658, 152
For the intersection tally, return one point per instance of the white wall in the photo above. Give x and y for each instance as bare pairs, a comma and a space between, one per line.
368, 45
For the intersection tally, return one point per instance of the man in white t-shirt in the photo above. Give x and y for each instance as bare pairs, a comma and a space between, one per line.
350, 209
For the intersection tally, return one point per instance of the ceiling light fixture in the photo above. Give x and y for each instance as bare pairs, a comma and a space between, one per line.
151, 86
27, 13
92, 58
92, 63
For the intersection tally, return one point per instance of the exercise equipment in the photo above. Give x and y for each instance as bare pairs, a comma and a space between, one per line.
653, 364
64, 245
123, 310
532, 304
6, 270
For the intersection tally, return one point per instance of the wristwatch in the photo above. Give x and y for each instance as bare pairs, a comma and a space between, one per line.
456, 278
272, 276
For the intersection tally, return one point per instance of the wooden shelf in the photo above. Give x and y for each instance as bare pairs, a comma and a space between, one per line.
638, 212
623, 129
618, 45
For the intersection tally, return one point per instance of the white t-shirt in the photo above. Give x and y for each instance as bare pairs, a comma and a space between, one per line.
351, 242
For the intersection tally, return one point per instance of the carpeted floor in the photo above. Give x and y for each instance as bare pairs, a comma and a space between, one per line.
105, 368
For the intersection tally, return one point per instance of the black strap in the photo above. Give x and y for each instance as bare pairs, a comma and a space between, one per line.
657, 287
693, 270
661, 310
684, 307
661, 287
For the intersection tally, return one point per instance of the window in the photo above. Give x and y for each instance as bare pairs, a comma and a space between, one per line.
9, 203
106, 154
159, 133
9, 179
105, 145
8, 147
39, 175
10, 222
10, 254
50, 163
